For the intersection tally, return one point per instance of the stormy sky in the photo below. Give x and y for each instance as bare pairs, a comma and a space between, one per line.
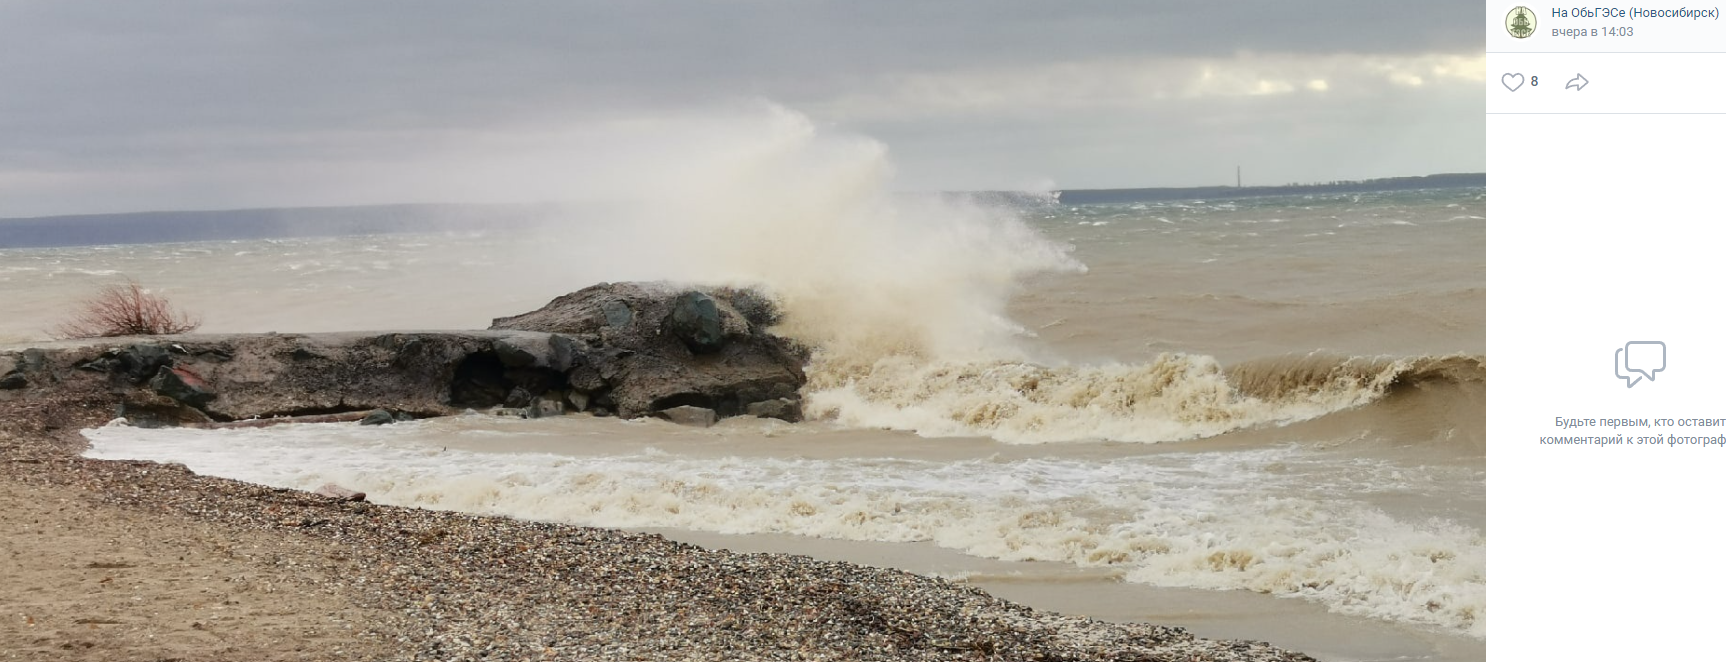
185, 104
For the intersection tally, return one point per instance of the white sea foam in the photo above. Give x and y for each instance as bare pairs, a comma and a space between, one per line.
1276, 520
1171, 398
904, 298
858, 271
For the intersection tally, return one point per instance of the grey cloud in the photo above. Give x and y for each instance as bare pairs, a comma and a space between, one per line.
332, 61
87, 85
1274, 139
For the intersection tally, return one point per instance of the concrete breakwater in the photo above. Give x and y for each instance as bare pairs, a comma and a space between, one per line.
625, 349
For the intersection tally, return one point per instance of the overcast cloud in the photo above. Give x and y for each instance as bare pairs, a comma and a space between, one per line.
123, 106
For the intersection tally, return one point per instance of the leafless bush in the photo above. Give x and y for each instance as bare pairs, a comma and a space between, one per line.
126, 309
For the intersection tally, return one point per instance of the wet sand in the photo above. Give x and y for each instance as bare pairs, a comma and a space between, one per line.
1099, 593
91, 581
113, 560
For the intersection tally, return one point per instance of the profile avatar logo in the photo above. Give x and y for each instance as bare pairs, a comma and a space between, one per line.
1520, 22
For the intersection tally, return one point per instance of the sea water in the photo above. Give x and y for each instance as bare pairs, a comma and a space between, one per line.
1268, 410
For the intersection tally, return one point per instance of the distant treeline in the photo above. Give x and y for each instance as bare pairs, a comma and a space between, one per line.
178, 226
1447, 180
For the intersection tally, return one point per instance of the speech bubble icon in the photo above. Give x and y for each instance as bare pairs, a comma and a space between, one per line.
1645, 356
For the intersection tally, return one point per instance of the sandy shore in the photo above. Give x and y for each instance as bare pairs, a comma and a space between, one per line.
87, 580
141, 561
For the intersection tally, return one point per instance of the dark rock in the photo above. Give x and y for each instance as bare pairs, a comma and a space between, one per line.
755, 307
142, 361
403, 417
519, 398
32, 360
514, 353
617, 314
378, 417
534, 380
610, 362
11, 376
429, 374
692, 416
784, 409
546, 407
566, 352
585, 377
138, 362
695, 319
518, 367
149, 410
577, 401
389, 341
479, 381
709, 348
271, 375
182, 385
217, 353
339, 493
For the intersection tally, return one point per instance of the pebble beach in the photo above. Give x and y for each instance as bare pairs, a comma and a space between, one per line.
115, 560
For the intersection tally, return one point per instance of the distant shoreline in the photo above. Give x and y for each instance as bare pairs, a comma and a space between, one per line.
1105, 196
167, 227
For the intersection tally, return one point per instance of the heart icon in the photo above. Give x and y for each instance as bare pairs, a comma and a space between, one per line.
1512, 82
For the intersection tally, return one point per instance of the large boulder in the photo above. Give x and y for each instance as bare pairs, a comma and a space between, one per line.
699, 417
11, 375
183, 386
784, 409
696, 321
649, 347
138, 362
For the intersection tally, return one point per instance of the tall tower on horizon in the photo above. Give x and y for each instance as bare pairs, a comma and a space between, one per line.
1237, 176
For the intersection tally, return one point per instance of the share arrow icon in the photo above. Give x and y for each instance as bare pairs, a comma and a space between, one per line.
1578, 82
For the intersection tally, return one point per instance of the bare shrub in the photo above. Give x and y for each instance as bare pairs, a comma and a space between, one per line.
126, 309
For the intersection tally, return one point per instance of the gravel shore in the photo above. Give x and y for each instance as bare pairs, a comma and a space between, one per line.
143, 561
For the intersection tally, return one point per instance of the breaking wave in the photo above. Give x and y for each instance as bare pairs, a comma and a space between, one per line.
1278, 520
1175, 397
903, 299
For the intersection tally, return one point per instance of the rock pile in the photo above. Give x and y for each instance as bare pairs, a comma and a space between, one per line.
644, 348
625, 349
